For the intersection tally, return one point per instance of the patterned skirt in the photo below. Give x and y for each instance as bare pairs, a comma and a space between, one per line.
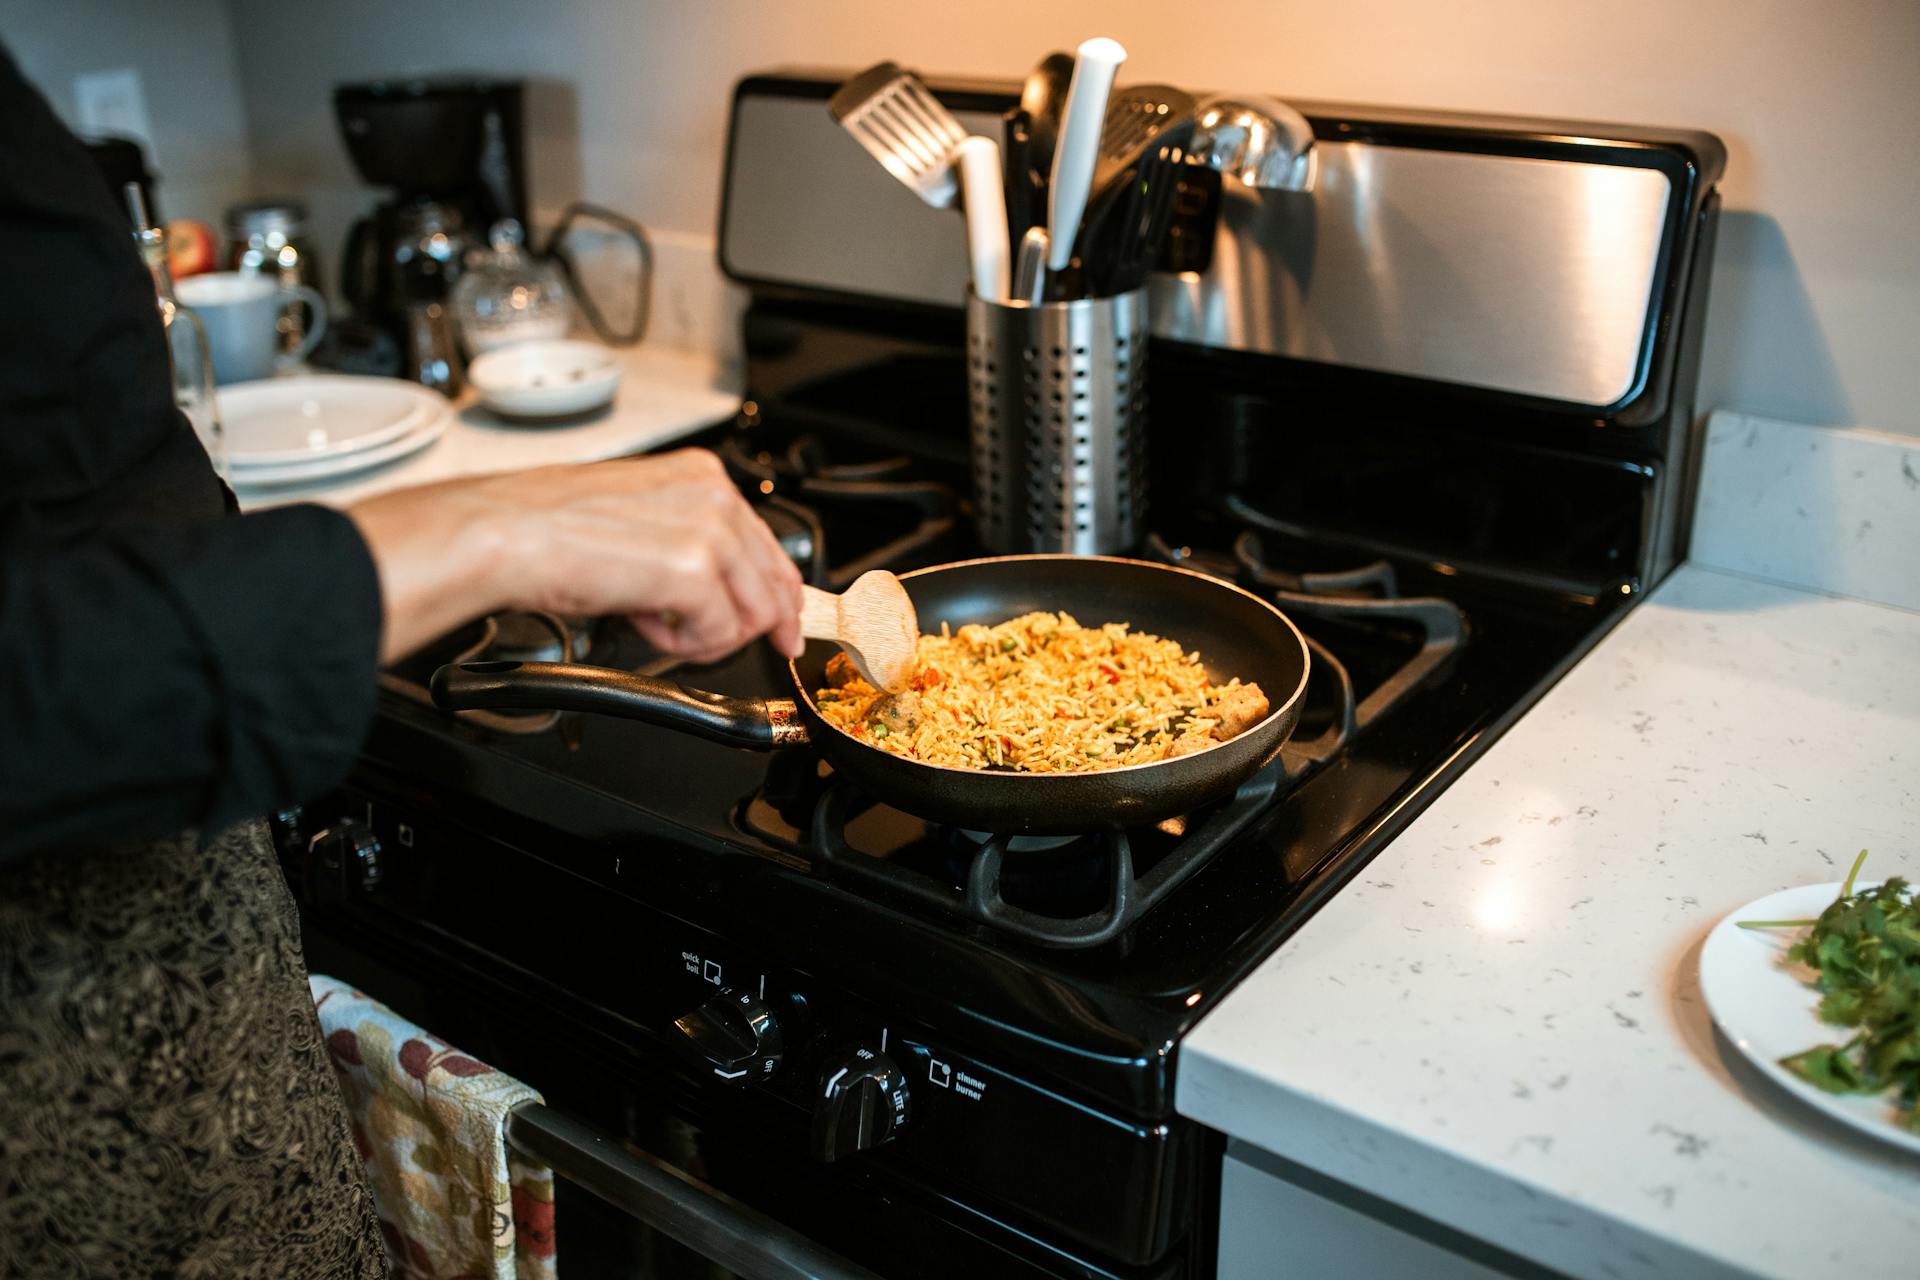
166, 1104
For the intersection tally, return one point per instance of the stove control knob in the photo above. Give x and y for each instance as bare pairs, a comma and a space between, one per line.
734, 1034
347, 856
289, 830
861, 1102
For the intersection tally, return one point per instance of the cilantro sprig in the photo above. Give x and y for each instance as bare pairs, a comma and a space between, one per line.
1866, 949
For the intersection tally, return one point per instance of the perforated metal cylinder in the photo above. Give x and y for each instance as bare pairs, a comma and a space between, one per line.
1058, 402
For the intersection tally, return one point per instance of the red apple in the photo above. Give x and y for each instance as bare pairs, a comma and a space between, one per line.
191, 248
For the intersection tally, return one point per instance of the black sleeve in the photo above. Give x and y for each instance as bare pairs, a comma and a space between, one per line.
162, 665
155, 680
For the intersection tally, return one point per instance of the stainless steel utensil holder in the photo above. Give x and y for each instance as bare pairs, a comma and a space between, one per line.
1059, 414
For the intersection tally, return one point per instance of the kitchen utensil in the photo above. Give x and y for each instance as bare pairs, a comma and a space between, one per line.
505, 295
982, 190
608, 261
894, 116
241, 312
1141, 146
1043, 101
1160, 187
1259, 140
308, 420
1126, 224
550, 379
1141, 119
1768, 1010
1114, 217
1071, 178
873, 621
269, 238
1043, 96
1016, 130
1030, 274
1057, 414
1237, 633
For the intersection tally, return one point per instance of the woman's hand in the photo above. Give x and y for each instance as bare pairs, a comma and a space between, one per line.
665, 540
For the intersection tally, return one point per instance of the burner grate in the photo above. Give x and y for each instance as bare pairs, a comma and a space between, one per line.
981, 896
798, 484
980, 880
1348, 597
1000, 881
1141, 867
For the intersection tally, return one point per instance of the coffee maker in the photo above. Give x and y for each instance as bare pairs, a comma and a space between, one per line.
450, 148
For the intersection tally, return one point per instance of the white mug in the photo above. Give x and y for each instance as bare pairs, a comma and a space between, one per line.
241, 312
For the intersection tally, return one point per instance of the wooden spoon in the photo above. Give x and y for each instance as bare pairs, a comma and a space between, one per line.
873, 621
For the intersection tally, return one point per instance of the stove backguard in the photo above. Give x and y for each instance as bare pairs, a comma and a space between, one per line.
1476, 340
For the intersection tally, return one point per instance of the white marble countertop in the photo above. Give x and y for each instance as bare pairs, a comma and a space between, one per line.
664, 394
1498, 1024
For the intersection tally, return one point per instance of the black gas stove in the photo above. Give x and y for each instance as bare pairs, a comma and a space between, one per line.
948, 1052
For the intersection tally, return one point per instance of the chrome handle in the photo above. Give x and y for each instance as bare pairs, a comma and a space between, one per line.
704, 1219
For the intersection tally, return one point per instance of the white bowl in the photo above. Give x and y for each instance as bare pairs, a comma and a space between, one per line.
546, 379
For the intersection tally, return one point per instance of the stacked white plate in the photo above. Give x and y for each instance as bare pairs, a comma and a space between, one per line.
291, 431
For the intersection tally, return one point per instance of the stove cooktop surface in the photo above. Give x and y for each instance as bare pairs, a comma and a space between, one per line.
1084, 959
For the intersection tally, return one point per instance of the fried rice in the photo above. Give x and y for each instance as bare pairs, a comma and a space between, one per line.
1043, 694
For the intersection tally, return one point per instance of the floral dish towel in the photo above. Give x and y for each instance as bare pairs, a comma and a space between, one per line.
455, 1202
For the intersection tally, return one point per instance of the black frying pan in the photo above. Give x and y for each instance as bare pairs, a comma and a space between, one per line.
1237, 634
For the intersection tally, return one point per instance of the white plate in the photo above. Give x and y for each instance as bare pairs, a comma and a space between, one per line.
276, 422
347, 463
1770, 1011
546, 379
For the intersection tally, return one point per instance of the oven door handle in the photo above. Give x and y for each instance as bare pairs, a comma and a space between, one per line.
706, 1220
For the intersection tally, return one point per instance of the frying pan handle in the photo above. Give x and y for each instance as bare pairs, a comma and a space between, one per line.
756, 723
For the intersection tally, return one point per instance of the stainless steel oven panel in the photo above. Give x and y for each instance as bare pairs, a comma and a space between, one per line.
1448, 263
1523, 275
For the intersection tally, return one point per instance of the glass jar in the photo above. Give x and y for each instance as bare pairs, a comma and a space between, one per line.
188, 351
269, 237
506, 295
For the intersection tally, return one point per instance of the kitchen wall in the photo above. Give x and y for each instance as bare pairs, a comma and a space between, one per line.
1817, 287
183, 52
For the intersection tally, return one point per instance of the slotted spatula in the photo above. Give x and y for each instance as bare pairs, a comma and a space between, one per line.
1141, 119
893, 115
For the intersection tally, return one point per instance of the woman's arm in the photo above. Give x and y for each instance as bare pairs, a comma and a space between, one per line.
162, 668
156, 679
159, 679
665, 541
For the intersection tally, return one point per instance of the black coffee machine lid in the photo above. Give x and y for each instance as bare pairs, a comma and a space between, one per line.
428, 135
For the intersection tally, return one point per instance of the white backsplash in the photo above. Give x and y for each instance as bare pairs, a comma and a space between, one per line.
1829, 509
695, 308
